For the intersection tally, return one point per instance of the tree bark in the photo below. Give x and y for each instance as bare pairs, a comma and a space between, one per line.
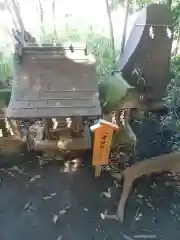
41, 16
54, 16
169, 3
19, 24
125, 25
111, 32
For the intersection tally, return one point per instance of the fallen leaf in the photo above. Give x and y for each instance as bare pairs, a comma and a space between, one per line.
49, 196
140, 196
138, 216
53, 194
107, 194
17, 169
62, 212
172, 212
34, 178
167, 184
102, 216
55, 218
145, 236
28, 205
41, 162
67, 207
127, 237
154, 185
59, 238
149, 204
105, 215
46, 197
11, 174
116, 184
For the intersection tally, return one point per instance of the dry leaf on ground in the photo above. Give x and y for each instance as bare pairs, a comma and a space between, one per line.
28, 206
107, 194
55, 218
11, 174
62, 212
17, 169
46, 197
53, 194
102, 216
35, 178
138, 216
49, 196
108, 216
59, 238
144, 236
116, 184
127, 237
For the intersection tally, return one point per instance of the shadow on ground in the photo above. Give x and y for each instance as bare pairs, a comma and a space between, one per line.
152, 209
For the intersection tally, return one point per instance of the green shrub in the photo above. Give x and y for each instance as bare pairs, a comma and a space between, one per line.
172, 119
5, 68
175, 67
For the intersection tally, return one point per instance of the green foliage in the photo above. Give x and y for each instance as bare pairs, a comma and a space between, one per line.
113, 4
172, 119
143, 3
176, 16
175, 67
97, 44
5, 68
112, 91
101, 48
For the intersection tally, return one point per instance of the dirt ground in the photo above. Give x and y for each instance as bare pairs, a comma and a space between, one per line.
28, 206
51, 204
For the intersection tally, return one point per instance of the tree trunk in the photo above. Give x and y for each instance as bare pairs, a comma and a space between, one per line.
169, 3
111, 32
125, 25
15, 10
41, 12
54, 17
41, 16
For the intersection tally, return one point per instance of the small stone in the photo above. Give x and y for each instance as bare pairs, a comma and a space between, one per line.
102, 216
55, 218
